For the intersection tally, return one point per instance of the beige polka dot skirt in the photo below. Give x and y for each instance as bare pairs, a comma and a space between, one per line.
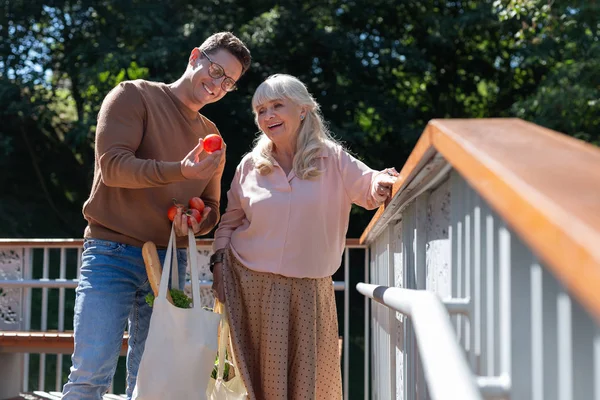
284, 334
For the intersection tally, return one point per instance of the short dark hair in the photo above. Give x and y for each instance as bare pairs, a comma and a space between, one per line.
228, 41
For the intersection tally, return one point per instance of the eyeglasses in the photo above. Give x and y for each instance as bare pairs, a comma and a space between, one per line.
216, 71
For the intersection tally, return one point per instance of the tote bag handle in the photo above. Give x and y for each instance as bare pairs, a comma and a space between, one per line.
223, 342
171, 257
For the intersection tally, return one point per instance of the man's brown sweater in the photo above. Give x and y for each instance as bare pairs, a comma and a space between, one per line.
143, 133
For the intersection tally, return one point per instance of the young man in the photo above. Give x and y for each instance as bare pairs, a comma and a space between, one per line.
148, 151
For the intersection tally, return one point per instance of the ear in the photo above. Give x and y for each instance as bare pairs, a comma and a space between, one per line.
195, 55
303, 113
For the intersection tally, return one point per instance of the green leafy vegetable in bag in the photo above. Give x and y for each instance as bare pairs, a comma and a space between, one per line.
180, 299
225, 368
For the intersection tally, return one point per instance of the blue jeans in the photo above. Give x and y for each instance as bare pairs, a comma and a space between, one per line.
111, 292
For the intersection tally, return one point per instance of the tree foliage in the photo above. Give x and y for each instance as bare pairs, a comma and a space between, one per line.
379, 68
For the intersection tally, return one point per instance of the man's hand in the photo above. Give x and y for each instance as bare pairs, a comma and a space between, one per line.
192, 168
181, 222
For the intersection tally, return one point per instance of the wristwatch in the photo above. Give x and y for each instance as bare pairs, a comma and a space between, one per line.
217, 257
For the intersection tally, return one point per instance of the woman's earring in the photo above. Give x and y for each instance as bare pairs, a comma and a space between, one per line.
301, 117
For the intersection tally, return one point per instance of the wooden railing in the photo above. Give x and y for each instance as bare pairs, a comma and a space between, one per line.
544, 184
501, 218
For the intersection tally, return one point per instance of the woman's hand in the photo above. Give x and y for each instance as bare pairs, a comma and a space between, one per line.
217, 286
181, 222
384, 182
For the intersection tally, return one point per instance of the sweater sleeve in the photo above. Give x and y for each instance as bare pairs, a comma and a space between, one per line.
234, 214
119, 133
359, 181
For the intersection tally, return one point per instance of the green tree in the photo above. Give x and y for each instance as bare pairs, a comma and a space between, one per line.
561, 40
380, 69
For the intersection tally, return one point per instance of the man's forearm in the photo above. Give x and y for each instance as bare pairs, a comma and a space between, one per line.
124, 170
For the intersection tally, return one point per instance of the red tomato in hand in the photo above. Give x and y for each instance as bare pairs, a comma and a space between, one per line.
172, 212
173, 209
193, 213
212, 143
197, 203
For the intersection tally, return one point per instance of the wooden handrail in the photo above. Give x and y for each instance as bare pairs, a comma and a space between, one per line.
544, 184
52, 342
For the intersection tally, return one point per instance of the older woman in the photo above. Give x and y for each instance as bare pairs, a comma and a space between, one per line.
280, 241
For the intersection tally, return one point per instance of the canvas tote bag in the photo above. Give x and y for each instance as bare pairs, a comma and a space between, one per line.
218, 389
180, 349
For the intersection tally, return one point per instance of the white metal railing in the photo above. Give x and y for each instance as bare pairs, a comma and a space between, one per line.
32, 268
445, 367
